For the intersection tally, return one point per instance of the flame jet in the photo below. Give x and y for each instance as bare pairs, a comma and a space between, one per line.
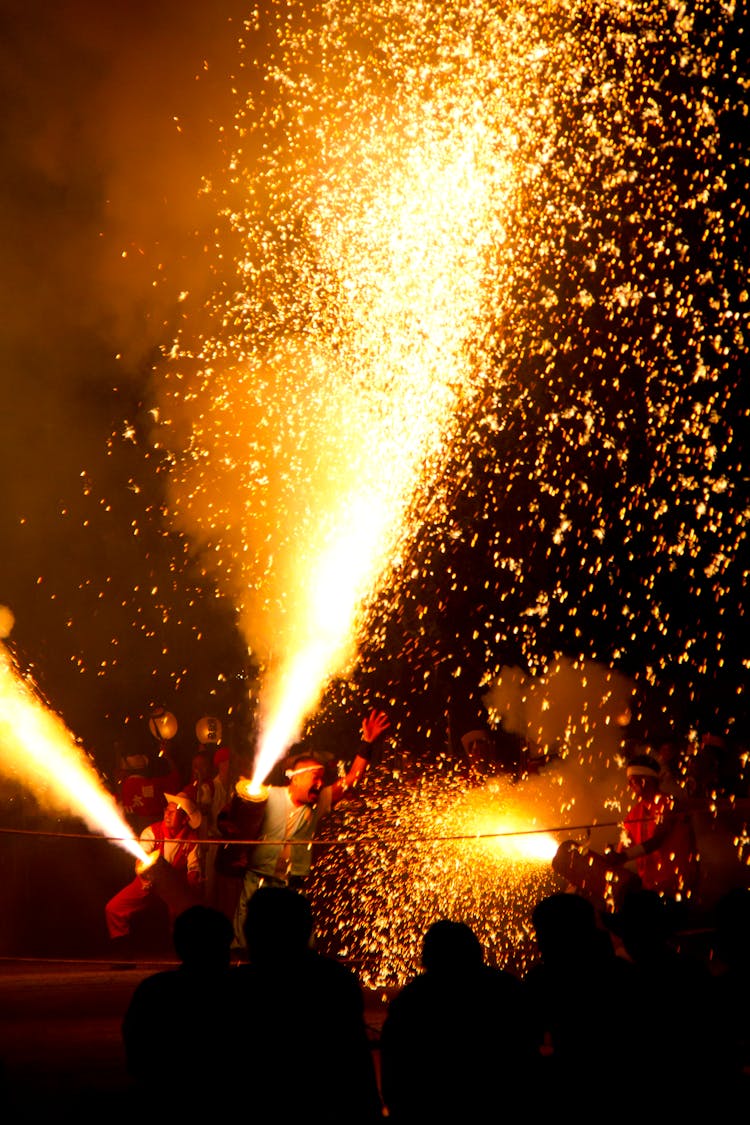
38, 752
323, 407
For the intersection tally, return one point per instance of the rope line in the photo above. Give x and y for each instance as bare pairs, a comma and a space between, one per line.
345, 841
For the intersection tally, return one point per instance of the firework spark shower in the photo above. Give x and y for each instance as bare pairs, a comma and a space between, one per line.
38, 751
573, 489
330, 396
424, 208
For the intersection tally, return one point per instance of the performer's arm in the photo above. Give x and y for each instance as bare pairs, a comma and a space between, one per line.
194, 873
373, 727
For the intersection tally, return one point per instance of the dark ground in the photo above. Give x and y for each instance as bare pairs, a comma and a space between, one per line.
60, 1048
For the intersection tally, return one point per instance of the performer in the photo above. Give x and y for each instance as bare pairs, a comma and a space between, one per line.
657, 835
291, 813
142, 783
174, 838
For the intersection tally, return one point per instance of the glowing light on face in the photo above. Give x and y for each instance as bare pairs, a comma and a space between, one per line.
40, 754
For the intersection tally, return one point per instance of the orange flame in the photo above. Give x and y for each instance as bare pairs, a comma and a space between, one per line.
39, 753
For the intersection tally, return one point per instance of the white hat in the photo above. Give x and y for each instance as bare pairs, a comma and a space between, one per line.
183, 802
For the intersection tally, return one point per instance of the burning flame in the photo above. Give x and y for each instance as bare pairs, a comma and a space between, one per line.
39, 753
525, 844
405, 331
144, 865
508, 817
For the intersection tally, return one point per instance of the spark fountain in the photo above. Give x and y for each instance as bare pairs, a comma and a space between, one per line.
323, 410
40, 754
373, 269
419, 203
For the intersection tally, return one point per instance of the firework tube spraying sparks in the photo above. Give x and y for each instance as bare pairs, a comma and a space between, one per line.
38, 752
321, 429
409, 359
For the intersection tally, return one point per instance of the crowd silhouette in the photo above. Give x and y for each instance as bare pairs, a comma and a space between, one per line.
614, 1014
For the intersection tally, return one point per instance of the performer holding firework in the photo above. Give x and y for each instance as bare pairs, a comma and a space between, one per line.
287, 817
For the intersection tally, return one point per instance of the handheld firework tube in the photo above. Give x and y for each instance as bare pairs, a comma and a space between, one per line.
591, 875
241, 820
170, 885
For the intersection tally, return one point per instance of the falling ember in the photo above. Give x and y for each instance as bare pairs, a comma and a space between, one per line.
38, 752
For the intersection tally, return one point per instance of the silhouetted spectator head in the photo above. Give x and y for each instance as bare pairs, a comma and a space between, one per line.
451, 947
565, 927
278, 924
202, 937
643, 922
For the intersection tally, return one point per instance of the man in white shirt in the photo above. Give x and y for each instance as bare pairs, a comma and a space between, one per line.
290, 818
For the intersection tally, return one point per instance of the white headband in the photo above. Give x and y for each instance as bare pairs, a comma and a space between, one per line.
641, 771
303, 769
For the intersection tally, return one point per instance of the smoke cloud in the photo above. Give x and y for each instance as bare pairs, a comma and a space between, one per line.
574, 712
110, 122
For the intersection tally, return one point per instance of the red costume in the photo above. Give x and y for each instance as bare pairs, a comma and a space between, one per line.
668, 863
143, 797
180, 852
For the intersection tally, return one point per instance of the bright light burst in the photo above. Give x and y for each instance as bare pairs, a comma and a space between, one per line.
39, 753
433, 845
476, 335
475, 326
328, 402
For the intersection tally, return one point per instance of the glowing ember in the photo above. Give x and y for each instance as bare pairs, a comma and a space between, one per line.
40, 754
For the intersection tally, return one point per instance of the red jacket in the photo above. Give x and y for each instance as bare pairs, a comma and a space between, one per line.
671, 867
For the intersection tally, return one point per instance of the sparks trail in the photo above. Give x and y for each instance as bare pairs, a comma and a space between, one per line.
38, 751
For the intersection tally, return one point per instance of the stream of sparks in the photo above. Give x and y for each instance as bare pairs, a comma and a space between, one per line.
39, 753
447, 226
328, 402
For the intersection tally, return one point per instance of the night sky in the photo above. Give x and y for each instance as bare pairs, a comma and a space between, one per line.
594, 505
